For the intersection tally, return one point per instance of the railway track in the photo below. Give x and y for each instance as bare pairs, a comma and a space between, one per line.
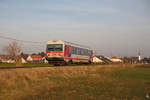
26, 67
20, 67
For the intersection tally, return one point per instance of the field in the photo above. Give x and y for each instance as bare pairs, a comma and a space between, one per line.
95, 82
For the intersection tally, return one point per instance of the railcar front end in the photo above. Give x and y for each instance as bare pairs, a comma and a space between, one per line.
55, 52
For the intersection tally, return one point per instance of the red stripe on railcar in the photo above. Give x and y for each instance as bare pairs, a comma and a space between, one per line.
54, 51
76, 59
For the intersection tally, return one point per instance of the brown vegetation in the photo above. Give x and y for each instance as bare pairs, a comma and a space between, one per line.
70, 83
13, 50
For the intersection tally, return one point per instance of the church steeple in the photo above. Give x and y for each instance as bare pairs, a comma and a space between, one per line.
139, 55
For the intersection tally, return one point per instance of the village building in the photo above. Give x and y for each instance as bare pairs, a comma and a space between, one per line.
6, 59
34, 59
115, 59
44, 60
23, 61
96, 59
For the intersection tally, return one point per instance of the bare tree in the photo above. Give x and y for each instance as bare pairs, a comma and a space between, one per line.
13, 50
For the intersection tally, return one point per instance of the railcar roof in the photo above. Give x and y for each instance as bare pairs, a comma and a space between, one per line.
76, 44
66, 42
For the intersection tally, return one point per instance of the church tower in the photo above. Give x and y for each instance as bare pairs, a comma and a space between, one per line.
139, 56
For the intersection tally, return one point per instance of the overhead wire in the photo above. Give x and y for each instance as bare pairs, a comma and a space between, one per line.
25, 41
35, 45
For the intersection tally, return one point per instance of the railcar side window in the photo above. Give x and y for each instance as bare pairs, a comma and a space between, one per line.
70, 50
75, 50
88, 52
79, 51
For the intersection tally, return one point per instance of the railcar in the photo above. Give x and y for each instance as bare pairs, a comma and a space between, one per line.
61, 52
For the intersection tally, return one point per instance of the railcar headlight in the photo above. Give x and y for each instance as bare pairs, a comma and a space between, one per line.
48, 54
59, 54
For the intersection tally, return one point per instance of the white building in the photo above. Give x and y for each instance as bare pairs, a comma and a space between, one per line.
6, 59
34, 59
115, 59
97, 60
44, 60
23, 60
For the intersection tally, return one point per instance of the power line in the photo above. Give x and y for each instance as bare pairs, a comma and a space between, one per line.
8, 38
34, 46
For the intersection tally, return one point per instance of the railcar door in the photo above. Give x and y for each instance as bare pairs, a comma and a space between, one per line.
91, 55
66, 51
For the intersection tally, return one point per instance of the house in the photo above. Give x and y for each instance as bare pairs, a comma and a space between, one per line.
96, 59
115, 59
6, 59
132, 60
23, 61
44, 60
34, 59
24, 58
104, 59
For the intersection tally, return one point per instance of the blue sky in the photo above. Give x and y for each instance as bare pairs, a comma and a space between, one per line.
111, 27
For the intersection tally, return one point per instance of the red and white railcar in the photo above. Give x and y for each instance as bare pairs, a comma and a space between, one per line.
62, 52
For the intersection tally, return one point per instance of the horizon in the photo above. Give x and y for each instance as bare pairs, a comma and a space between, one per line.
109, 27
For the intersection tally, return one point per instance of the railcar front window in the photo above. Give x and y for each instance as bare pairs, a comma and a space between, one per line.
50, 47
54, 47
58, 47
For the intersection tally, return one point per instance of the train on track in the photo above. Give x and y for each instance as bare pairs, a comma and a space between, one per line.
61, 52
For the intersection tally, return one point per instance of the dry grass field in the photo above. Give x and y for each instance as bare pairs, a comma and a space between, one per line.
100, 82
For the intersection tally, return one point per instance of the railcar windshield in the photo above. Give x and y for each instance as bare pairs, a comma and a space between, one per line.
54, 47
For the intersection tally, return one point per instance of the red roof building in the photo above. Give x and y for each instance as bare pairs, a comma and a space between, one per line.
34, 58
115, 59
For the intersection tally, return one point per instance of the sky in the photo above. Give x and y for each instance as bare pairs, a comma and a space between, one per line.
109, 27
